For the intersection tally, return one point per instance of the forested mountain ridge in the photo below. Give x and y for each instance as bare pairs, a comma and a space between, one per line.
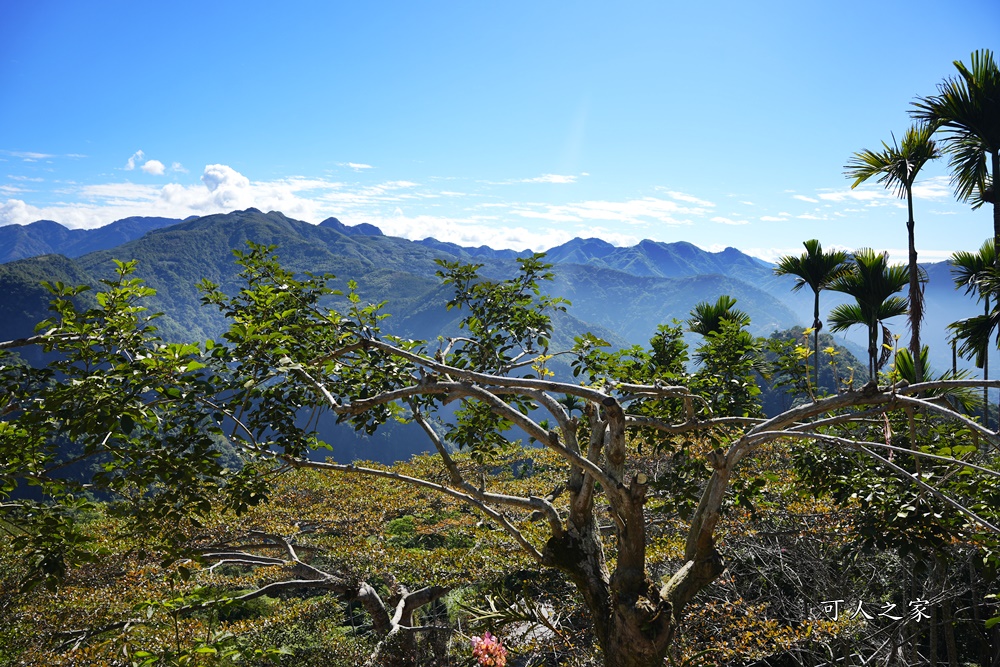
45, 237
620, 293
616, 304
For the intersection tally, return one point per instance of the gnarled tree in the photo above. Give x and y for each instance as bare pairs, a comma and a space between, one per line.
150, 411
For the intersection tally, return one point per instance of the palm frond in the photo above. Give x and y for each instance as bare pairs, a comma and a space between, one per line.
896, 166
968, 399
814, 267
969, 170
969, 269
967, 110
845, 316
975, 334
707, 317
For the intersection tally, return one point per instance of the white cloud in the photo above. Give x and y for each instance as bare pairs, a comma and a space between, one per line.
481, 230
229, 188
118, 193
938, 187
136, 157
550, 178
772, 218
561, 179
29, 156
729, 221
552, 216
178, 167
154, 167
935, 188
16, 212
929, 255
356, 166
771, 254
402, 208
804, 198
865, 195
680, 196
632, 212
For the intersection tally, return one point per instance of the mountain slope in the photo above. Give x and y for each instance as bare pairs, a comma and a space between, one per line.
619, 294
47, 237
625, 292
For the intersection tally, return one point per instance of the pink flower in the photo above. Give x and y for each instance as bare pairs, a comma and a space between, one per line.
489, 651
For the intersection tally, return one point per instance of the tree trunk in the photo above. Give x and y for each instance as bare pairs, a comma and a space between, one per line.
932, 636
634, 619
986, 370
996, 202
633, 630
948, 619
817, 324
916, 297
994, 174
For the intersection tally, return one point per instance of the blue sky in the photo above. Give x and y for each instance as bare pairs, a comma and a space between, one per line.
515, 124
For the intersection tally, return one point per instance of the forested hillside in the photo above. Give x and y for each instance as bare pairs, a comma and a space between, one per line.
822, 548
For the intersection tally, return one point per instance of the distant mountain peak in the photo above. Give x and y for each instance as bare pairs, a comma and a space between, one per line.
482, 252
363, 229
50, 237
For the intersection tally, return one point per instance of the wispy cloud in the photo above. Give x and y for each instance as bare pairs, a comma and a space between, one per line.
862, 195
401, 207
936, 188
28, 156
222, 189
686, 198
631, 212
132, 161
558, 179
550, 178
804, 198
729, 221
178, 167
356, 166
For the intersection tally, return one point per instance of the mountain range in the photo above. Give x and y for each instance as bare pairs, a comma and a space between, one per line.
626, 291
619, 293
644, 285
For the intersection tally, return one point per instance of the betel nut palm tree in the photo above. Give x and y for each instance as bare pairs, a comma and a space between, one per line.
707, 317
816, 269
873, 283
896, 167
976, 272
967, 111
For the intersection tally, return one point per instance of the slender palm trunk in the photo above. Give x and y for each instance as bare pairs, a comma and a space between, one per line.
816, 326
986, 368
916, 297
996, 245
872, 352
995, 202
